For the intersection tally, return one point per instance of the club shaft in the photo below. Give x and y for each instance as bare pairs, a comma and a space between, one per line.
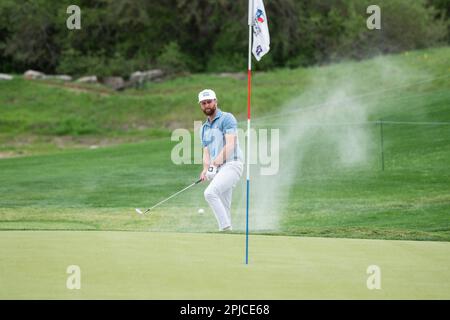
161, 202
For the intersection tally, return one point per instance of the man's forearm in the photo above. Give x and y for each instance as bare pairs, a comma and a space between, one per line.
206, 159
223, 154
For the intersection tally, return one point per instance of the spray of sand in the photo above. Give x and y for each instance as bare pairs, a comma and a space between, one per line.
331, 124
328, 121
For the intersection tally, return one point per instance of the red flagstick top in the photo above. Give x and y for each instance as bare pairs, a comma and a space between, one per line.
249, 76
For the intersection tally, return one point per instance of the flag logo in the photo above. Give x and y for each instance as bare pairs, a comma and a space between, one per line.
261, 37
260, 16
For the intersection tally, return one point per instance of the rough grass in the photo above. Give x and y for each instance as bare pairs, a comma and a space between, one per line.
84, 188
34, 114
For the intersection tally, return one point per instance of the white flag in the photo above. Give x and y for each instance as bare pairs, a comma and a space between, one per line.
261, 37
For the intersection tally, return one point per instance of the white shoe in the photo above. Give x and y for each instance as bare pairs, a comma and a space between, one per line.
229, 228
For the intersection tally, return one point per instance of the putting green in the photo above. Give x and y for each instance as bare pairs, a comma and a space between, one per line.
148, 265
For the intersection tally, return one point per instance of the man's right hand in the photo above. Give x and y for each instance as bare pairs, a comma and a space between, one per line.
203, 174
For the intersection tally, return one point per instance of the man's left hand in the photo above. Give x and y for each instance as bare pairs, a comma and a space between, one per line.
211, 173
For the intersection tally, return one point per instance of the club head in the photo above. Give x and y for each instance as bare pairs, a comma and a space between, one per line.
139, 211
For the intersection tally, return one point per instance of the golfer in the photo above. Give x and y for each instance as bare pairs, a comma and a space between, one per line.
222, 157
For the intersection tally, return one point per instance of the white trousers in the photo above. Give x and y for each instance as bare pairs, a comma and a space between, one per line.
218, 193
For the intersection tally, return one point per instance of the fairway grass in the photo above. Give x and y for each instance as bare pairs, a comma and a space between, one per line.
151, 265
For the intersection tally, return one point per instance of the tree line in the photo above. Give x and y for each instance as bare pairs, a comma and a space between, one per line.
118, 37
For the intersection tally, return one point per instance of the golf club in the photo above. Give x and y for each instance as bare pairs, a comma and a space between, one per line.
161, 202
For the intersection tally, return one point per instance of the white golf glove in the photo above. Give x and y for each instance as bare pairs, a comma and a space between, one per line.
211, 173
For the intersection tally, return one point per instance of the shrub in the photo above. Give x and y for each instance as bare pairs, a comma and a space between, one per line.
171, 59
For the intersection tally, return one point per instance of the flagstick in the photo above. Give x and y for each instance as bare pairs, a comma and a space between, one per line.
249, 81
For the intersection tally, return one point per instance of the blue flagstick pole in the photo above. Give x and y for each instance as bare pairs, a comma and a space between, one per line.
249, 81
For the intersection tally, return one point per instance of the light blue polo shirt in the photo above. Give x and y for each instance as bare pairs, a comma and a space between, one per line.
212, 135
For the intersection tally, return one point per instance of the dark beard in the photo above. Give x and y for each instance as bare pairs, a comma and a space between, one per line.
209, 111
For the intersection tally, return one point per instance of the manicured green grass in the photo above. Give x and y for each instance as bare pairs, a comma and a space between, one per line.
136, 265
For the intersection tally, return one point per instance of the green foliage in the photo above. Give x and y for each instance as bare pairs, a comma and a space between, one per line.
30, 33
74, 63
442, 7
228, 50
121, 36
416, 29
172, 59
332, 30
442, 13
232, 61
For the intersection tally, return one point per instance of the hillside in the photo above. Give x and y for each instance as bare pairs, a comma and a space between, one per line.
46, 116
